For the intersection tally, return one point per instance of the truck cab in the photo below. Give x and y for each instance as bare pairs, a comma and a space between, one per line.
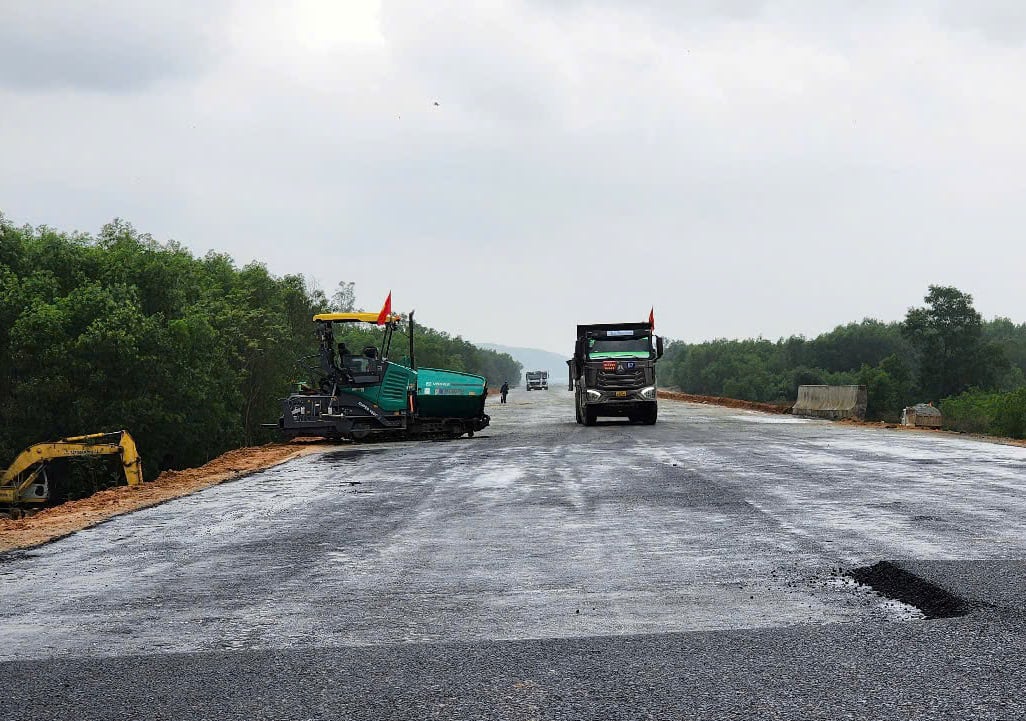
612, 372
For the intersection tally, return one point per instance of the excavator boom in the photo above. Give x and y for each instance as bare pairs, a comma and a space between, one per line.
20, 482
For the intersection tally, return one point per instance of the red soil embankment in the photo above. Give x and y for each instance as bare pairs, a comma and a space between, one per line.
728, 402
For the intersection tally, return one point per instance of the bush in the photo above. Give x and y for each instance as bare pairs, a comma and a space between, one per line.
1000, 414
1010, 415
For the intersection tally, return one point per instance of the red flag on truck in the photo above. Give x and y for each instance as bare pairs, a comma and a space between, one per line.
651, 318
386, 310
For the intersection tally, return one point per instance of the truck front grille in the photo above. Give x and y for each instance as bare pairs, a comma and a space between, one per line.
624, 380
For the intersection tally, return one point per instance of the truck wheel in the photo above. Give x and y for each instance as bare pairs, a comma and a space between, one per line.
577, 410
590, 416
649, 418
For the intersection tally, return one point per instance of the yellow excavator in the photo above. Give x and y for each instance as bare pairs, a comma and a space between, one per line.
25, 484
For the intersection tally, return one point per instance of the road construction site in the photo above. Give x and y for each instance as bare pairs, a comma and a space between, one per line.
723, 563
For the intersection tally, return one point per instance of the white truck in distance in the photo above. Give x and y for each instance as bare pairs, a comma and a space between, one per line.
537, 380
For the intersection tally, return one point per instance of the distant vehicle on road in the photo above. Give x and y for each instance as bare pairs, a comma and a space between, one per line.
613, 372
537, 380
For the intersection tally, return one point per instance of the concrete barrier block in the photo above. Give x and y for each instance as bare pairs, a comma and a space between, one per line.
832, 402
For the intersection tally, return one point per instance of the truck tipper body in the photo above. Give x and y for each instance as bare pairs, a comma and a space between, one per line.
613, 372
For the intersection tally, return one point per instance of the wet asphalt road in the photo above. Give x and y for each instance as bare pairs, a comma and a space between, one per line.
544, 570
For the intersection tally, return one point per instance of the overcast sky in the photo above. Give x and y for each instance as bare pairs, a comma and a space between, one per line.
748, 168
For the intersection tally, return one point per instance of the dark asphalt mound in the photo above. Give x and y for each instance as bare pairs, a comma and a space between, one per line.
894, 582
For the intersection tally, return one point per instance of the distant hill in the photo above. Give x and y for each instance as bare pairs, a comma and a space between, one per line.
534, 359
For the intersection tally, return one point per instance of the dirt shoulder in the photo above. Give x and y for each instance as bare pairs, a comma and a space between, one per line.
59, 521
728, 402
881, 425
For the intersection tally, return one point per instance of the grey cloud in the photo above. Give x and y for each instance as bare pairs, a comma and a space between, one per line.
692, 9
109, 46
1000, 21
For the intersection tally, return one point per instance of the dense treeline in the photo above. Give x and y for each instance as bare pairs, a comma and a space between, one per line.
189, 354
940, 350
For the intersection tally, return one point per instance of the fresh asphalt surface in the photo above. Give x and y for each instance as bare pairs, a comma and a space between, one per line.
693, 569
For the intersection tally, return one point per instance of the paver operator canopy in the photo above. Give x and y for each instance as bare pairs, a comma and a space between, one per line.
340, 365
354, 317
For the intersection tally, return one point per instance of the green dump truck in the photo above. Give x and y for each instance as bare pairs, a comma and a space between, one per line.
612, 372
365, 395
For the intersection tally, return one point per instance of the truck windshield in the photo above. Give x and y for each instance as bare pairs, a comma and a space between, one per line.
617, 348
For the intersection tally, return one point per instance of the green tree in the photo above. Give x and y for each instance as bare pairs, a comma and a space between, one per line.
947, 336
343, 300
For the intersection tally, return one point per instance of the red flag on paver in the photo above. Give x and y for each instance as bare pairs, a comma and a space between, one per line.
386, 310
651, 318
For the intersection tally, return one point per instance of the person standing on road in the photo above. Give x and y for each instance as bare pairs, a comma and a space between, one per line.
504, 391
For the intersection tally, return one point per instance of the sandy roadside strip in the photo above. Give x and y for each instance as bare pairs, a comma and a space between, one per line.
878, 425
59, 521
727, 402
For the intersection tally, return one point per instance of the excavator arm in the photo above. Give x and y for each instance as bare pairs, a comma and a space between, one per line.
30, 463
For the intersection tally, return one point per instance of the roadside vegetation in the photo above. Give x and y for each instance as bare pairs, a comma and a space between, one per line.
942, 352
997, 414
190, 354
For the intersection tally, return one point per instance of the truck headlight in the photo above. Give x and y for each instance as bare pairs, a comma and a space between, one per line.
594, 395
648, 393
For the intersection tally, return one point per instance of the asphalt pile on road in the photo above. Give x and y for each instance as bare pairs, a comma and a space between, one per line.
892, 581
